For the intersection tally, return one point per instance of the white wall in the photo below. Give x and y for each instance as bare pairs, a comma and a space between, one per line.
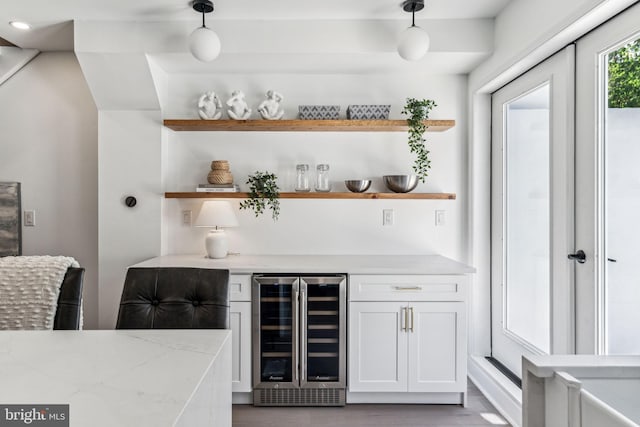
130, 148
49, 132
323, 226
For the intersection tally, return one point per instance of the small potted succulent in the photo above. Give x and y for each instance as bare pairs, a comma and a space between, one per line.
418, 111
263, 194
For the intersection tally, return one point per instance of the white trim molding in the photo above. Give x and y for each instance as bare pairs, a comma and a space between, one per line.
505, 396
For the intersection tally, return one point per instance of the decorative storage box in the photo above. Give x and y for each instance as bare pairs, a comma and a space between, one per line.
319, 112
368, 112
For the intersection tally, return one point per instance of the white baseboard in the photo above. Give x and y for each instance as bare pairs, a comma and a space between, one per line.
505, 396
407, 398
242, 398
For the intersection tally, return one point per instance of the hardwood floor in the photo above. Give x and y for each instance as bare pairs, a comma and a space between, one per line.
479, 412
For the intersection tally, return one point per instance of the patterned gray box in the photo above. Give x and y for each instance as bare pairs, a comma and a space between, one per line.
319, 112
368, 112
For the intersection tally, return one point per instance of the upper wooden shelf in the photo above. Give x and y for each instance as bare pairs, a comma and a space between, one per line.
315, 195
303, 125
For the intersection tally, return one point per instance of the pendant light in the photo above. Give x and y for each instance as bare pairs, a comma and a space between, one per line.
204, 43
413, 42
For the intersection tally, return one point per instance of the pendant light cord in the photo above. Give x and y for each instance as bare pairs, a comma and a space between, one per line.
203, 25
413, 14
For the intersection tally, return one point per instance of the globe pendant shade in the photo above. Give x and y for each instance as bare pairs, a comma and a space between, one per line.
204, 44
413, 43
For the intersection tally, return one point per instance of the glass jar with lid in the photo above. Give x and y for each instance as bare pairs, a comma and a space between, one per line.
302, 178
322, 178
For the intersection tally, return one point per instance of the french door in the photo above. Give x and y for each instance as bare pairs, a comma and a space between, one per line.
565, 206
608, 187
532, 213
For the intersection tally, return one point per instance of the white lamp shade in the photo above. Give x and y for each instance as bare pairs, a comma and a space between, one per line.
413, 43
216, 213
204, 44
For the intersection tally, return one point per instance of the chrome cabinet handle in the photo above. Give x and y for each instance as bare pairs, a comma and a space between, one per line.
408, 288
411, 327
403, 320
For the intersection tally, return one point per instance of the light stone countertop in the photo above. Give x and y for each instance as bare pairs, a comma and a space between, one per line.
121, 378
349, 264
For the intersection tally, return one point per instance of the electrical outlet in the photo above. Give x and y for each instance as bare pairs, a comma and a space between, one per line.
387, 217
186, 218
440, 218
29, 218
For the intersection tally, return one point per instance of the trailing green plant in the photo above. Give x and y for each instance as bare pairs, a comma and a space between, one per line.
418, 111
263, 194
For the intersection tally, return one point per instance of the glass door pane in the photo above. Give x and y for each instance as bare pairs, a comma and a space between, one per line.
323, 329
276, 328
621, 291
527, 218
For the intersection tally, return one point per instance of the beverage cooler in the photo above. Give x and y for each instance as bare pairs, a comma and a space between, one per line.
299, 340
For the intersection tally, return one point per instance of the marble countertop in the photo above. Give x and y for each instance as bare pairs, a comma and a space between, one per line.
115, 378
350, 264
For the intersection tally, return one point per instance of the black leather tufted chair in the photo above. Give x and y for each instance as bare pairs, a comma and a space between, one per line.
68, 312
174, 298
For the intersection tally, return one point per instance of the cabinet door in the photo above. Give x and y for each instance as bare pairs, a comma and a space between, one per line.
377, 347
437, 347
240, 320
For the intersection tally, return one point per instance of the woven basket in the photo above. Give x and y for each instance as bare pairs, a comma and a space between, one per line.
220, 165
220, 177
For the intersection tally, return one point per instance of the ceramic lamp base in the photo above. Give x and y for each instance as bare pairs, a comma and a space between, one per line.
216, 244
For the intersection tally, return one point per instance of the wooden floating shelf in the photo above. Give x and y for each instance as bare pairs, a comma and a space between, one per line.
314, 195
303, 125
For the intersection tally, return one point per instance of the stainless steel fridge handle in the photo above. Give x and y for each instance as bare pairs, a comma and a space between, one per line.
296, 327
303, 333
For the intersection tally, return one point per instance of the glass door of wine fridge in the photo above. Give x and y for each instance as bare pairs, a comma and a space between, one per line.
276, 331
322, 331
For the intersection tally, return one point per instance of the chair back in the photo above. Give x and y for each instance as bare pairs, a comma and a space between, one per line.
174, 298
68, 313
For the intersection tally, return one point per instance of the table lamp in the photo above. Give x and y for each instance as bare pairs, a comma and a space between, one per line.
216, 214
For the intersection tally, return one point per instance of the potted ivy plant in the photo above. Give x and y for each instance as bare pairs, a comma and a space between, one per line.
263, 194
417, 111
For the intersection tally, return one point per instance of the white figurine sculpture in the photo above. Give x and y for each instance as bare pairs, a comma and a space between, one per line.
270, 109
238, 108
209, 106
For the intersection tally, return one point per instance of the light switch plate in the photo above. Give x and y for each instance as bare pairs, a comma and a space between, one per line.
440, 218
186, 218
29, 218
387, 217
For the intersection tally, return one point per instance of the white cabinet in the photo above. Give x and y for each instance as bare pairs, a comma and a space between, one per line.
377, 347
240, 323
437, 350
407, 334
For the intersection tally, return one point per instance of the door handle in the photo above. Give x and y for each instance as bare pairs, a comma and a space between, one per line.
579, 256
411, 327
612, 260
403, 320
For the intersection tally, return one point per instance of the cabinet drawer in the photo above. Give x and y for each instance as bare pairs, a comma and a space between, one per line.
240, 287
407, 288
